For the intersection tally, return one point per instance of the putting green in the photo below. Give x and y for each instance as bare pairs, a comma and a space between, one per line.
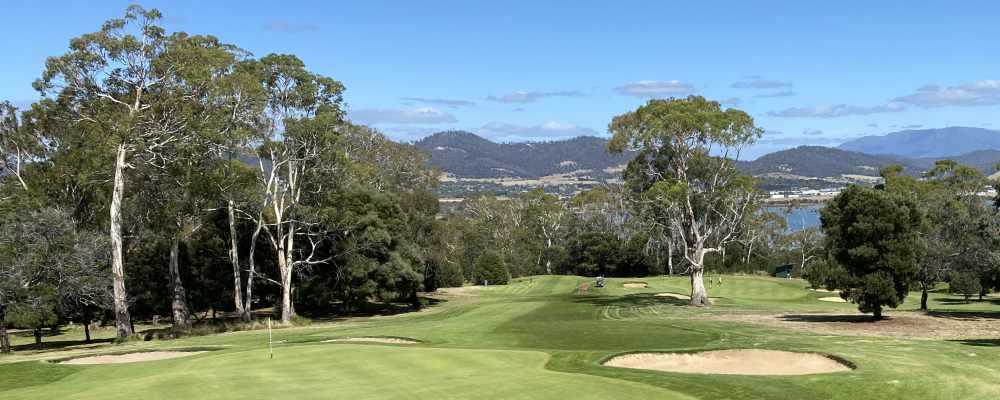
538, 338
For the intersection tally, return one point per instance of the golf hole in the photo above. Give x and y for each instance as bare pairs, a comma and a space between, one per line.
366, 339
127, 358
733, 362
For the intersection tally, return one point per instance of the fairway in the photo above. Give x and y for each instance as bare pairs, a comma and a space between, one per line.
536, 338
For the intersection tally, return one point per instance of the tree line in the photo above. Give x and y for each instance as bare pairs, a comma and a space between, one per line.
166, 175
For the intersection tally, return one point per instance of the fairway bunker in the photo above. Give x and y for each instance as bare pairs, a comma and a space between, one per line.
674, 296
832, 299
732, 362
130, 357
635, 285
366, 339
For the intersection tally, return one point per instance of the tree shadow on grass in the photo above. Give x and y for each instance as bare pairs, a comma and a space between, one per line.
966, 315
979, 342
630, 300
58, 344
825, 318
962, 302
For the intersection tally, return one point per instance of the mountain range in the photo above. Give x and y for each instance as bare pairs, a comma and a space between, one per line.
464, 155
928, 143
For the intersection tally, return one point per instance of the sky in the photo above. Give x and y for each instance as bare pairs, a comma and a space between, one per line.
809, 72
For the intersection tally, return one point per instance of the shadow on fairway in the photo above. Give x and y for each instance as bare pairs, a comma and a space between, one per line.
979, 342
631, 300
962, 302
58, 344
967, 315
819, 318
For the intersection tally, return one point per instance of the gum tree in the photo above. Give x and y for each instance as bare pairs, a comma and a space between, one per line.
684, 167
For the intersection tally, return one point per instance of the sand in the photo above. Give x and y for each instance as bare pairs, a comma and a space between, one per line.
832, 299
732, 362
674, 296
131, 357
635, 285
374, 340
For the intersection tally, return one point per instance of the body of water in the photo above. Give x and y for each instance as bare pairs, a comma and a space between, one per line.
803, 217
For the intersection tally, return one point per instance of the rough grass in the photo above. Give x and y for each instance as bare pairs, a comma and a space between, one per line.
537, 338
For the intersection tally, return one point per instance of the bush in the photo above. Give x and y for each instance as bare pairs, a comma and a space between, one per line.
491, 268
965, 284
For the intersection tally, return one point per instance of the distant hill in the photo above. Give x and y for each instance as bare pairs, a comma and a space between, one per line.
566, 166
928, 143
467, 155
821, 162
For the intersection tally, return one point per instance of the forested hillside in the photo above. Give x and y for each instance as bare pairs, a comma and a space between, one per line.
924, 143
467, 155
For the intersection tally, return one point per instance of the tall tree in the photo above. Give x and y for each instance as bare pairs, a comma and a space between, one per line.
685, 167
18, 146
305, 120
875, 236
115, 84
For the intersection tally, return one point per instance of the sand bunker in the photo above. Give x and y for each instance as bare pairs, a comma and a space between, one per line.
732, 362
821, 290
131, 357
674, 296
374, 340
635, 285
832, 299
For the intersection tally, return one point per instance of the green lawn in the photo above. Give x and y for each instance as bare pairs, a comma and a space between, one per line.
534, 339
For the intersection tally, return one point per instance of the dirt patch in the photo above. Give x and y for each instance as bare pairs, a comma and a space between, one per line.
732, 362
674, 296
130, 357
635, 285
899, 324
832, 299
386, 340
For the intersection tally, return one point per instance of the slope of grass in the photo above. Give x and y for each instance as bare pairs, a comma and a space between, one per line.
537, 338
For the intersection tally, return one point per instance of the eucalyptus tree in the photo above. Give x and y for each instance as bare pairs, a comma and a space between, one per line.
684, 166
305, 118
116, 84
18, 145
202, 90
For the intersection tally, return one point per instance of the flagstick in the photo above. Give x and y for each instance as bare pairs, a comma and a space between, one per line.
270, 350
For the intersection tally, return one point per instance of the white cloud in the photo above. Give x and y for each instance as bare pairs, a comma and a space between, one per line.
814, 132
551, 130
981, 93
785, 93
415, 115
655, 88
528, 97
760, 83
840, 110
453, 103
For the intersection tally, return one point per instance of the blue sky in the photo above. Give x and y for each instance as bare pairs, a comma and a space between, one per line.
809, 72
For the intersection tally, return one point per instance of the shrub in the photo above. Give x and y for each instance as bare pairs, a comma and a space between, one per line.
491, 268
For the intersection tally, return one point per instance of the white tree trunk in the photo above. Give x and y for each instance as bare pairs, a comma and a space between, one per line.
234, 258
252, 268
285, 263
122, 319
699, 296
178, 305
